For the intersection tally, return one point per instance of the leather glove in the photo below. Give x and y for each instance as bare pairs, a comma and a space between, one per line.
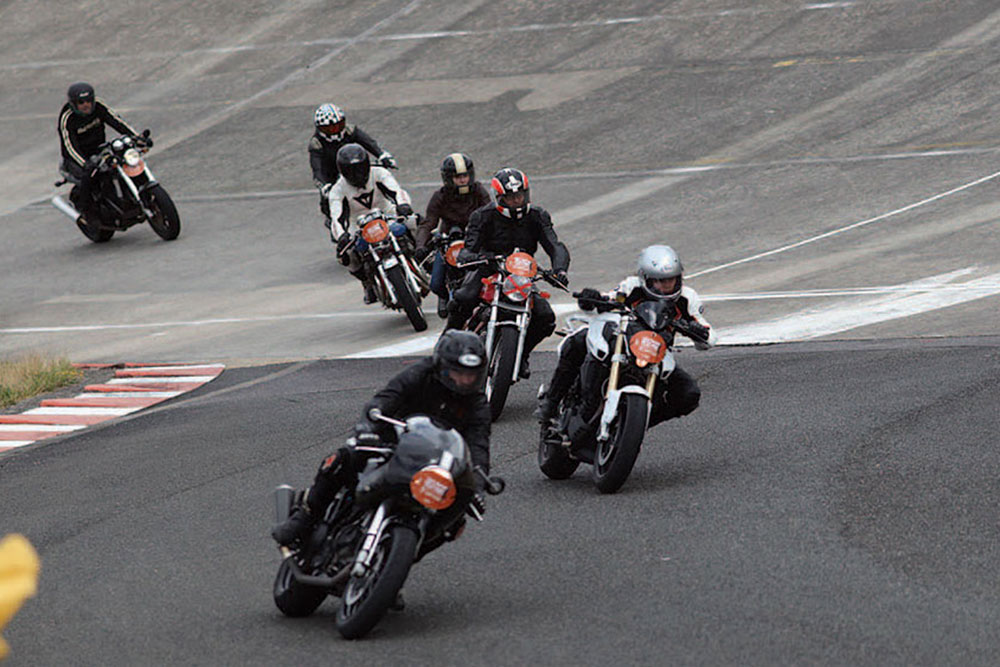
561, 277
343, 242
588, 295
325, 190
93, 162
148, 141
364, 433
387, 160
695, 331
420, 254
404, 210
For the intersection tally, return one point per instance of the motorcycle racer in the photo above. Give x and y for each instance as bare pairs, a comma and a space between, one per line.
659, 276
332, 133
511, 223
362, 188
448, 386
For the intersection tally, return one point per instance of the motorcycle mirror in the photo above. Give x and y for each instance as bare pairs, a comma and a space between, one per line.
145, 133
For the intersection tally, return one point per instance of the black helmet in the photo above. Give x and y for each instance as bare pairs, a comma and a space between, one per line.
353, 164
507, 183
460, 362
453, 165
80, 92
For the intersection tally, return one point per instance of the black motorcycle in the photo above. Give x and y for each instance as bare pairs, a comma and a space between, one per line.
126, 191
634, 346
409, 500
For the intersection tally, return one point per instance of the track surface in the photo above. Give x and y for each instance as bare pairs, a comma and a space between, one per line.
828, 171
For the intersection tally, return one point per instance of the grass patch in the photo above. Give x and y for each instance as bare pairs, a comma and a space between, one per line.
33, 374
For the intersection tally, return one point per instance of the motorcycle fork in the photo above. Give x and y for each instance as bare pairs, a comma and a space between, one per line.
363, 559
127, 180
491, 325
410, 277
616, 361
390, 294
522, 325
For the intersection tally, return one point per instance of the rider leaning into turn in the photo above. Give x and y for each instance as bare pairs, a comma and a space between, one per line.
659, 277
332, 133
81, 133
449, 208
512, 223
362, 188
446, 386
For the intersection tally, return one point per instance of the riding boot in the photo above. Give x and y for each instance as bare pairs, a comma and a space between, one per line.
296, 527
562, 380
371, 296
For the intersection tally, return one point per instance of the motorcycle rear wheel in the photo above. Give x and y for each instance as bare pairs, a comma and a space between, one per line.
166, 221
293, 598
404, 294
94, 232
615, 457
366, 599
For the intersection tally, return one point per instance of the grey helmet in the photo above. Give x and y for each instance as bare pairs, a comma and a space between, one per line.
659, 262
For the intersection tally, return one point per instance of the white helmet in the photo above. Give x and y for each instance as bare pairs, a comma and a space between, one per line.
656, 263
331, 121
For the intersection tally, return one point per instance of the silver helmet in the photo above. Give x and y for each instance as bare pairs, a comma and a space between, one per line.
656, 263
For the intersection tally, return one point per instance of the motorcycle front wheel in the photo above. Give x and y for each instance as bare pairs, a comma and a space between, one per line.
293, 598
615, 457
501, 372
166, 222
367, 598
404, 294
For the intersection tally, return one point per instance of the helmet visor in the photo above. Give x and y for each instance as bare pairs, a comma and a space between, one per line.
333, 129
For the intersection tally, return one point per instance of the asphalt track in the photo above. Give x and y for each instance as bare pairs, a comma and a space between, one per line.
828, 171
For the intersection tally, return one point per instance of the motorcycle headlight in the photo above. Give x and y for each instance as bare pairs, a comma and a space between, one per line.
433, 487
132, 157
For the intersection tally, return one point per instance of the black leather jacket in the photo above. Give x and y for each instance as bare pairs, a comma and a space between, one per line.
491, 233
81, 135
323, 153
416, 391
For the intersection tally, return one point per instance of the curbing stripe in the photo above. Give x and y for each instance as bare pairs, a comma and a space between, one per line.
136, 387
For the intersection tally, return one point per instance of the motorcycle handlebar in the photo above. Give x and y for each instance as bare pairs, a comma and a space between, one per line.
493, 485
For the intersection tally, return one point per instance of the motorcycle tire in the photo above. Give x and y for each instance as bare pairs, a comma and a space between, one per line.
615, 457
501, 371
166, 222
404, 294
366, 599
293, 598
94, 232
554, 461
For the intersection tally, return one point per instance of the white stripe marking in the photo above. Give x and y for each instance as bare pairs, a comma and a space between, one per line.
40, 427
846, 315
847, 228
110, 412
130, 394
173, 367
366, 36
14, 443
167, 379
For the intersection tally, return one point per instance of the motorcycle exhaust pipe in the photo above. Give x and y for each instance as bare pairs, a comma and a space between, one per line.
65, 207
284, 496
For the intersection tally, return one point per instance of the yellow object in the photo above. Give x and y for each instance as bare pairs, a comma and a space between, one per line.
18, 579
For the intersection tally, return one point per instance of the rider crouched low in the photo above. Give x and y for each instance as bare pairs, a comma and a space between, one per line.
511, 223
659, 276
447, 386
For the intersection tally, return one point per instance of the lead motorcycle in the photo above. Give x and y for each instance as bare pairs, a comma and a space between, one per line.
409, 500
386, 251
127, 193
502, 316
635, 345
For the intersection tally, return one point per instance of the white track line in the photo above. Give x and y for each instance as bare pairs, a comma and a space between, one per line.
168, 379
366, 36
847, 228
40, 427
113, 412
